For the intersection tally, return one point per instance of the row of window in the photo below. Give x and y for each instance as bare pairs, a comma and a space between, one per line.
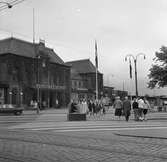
77, 84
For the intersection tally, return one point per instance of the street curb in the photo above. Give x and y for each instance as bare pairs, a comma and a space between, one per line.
139, 136
157, 118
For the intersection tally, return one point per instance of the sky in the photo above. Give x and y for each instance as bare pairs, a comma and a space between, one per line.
120, 27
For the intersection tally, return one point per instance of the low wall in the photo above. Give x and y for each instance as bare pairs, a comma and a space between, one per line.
76, 117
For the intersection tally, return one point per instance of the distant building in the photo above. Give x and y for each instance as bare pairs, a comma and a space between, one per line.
120, 93
108, 91
83, 79
112, 93
32, 71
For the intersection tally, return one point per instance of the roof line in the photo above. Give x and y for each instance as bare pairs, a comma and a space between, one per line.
21, 40
10, 38
78, 60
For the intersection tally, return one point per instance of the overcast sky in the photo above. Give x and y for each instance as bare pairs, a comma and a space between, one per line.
120, 27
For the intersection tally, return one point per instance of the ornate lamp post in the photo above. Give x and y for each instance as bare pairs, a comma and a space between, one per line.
135, 63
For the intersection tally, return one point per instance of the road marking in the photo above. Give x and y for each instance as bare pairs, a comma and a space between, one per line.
95, 128
45, 126
107, 129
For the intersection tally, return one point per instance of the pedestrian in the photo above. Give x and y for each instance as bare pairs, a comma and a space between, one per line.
93, 108
36, 106
126, 108
118, 107
84, 108
90, 107
31, 103
146, 107
103, 104
135, 107
141, 107
57, 103
73, 107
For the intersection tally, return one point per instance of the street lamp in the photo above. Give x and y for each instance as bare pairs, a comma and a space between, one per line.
38, 82
21, 98
41, 63
10, 97
135, 62
8, 4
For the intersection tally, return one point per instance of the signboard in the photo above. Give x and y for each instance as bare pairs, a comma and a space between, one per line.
53, 87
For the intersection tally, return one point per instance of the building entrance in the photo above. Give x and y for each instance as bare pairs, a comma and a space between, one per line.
2, 95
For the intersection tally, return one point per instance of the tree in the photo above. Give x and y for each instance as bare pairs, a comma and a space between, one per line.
158, 71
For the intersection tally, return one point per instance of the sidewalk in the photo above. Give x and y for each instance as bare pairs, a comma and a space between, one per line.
160, 133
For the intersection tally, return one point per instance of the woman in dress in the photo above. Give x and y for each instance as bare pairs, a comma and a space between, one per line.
84, 106
118, 107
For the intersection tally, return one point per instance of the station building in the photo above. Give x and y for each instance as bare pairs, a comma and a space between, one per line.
83, 79
32, 71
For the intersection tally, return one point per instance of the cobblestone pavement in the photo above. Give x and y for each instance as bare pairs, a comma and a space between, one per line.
23, 146
27, 140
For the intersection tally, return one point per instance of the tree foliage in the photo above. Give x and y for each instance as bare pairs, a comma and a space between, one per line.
158, 71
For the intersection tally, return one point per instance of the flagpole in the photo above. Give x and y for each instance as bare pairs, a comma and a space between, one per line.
96, 83
131, 89
130, 71
96, 62
33, 26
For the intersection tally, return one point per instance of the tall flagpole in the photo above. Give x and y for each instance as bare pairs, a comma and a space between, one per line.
96, 84
96, 62
33, 26
131, 83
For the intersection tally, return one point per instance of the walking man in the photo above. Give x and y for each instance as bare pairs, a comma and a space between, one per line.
127, 108
135, 106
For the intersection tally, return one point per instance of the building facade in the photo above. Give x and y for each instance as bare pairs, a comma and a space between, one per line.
78, 86
32, 72
83, 79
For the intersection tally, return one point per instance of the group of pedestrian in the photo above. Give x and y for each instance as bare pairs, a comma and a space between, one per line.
140, 107
78, 106
89, 107
123, 108
96, 107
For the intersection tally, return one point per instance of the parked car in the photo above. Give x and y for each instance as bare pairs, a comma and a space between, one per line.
9, 108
